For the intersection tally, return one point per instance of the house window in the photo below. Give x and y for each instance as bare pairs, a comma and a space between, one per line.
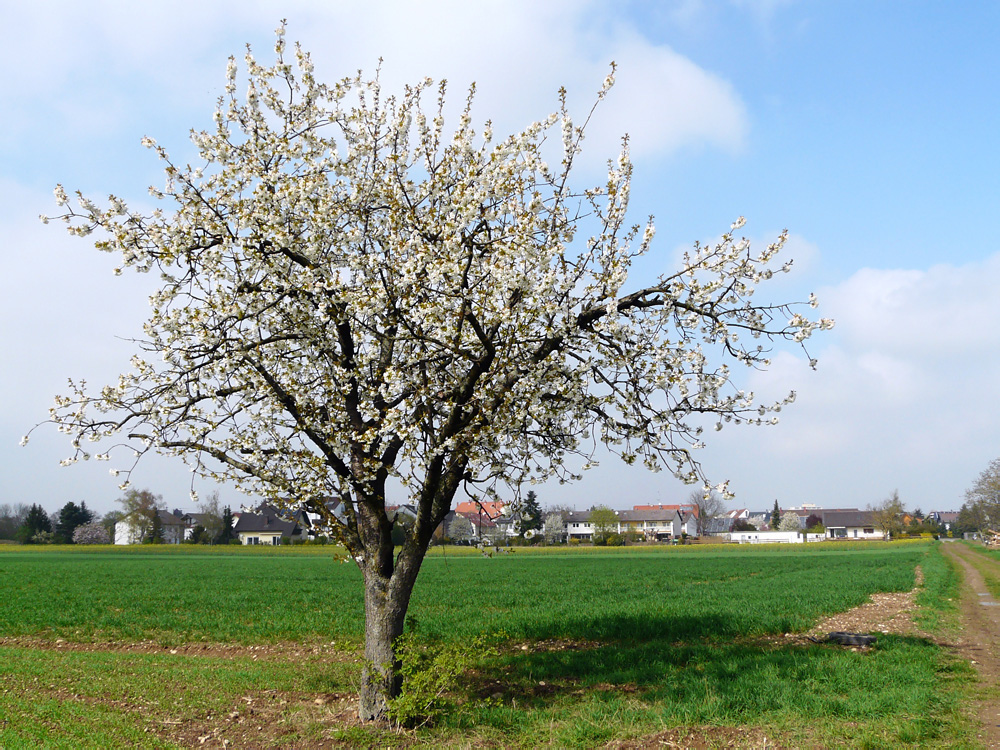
275, 541
253, 540
869, 531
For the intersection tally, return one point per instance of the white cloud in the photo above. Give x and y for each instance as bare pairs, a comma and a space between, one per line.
945, 309
903, 395
88, 65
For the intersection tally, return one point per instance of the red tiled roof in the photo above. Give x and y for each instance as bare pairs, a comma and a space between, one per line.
488, 508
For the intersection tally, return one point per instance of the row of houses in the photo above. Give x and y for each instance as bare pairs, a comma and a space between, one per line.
264, 524
268, 526
839, 523
175, 527
655, 524
660, 524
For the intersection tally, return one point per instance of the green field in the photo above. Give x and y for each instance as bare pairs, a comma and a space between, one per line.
594, 646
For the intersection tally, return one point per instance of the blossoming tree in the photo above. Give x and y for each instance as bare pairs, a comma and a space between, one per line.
91, 533
357, 302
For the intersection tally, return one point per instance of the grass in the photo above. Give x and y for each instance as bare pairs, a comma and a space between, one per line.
810, 693
182, 594
938, 598
598, 645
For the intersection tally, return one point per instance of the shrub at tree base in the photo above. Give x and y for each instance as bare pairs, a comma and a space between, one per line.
430, 672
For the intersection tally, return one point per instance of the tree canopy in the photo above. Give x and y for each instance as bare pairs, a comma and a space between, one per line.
709, 505
981, 509
139, 511
11, 518
888, 515
354, 300
36, 521
71, 516
92, 532
789, 522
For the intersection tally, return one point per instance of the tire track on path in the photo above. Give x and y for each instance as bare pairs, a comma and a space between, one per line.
979, 642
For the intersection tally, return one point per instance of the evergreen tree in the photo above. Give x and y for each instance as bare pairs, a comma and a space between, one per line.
226, 532
775, 517
35, 522
155, 535
531, 514
70, 517
199, 535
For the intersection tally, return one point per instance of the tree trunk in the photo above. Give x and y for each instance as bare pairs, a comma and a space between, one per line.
385, 614
389, 579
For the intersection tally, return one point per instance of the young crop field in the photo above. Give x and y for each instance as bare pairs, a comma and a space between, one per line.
163, 647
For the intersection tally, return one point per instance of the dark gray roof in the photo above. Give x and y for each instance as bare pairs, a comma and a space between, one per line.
848, 518
944, 515
648, 515
197, 518
169, 519
266, 518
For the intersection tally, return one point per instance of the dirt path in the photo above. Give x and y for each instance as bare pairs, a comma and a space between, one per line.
979, 642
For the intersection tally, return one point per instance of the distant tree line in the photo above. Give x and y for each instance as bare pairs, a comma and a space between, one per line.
31, 524
77, 524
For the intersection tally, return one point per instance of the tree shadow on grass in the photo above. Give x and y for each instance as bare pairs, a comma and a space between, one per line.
640, 628
707, 670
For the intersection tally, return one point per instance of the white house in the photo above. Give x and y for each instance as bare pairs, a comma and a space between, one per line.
851, 524
265, 526
175, 527
773, 537
578, 525
127, 532
650, 524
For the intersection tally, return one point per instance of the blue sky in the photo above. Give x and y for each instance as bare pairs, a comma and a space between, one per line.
867, 129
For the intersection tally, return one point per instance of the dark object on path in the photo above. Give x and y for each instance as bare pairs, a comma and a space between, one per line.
845, 639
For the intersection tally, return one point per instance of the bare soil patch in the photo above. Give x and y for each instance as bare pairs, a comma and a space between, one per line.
282, 651
882, 613
703, 738
268, 720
